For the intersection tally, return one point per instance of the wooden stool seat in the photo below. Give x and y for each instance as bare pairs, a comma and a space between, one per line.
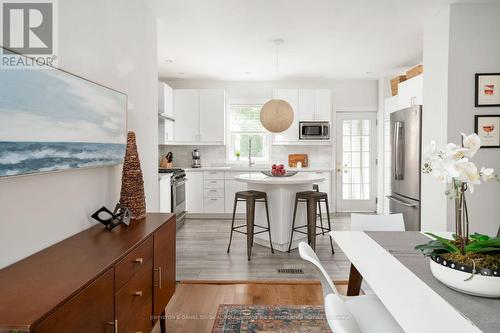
313, 199
250, 197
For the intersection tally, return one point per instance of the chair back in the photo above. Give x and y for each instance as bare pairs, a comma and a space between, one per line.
369, 222
339, 317
308, 254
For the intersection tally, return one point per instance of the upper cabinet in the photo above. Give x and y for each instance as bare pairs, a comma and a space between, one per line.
212, 115
187, 115
410, 92
199, 116
315, 105
308, 105
165, 100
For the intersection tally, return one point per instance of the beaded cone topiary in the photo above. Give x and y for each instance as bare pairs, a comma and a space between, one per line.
132, 191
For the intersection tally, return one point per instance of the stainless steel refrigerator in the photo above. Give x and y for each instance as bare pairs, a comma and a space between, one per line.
406, 140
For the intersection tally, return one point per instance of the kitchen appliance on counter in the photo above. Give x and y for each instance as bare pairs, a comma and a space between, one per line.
406, 140
196, 159
173, 193
314, 130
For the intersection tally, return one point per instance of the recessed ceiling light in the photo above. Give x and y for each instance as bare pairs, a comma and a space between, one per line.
169, 61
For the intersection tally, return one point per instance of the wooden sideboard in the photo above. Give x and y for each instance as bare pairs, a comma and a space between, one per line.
95, 281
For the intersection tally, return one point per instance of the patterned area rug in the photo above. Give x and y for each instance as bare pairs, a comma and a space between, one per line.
270, 319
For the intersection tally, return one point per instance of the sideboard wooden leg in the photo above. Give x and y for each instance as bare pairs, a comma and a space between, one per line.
355, 280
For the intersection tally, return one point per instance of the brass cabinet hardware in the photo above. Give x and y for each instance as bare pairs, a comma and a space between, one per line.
138, 260
115, 325
159, 277
138, 293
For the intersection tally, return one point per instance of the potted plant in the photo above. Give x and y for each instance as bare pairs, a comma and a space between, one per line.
237, 154
469, 263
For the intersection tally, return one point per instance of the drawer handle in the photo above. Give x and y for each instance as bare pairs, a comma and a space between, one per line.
138, 293
115, 325
213, 190
159, 277
138, 260
213, 181
214, 199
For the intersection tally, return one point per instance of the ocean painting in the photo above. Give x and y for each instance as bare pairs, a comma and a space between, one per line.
51, 120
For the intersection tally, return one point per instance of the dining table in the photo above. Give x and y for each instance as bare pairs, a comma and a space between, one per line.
401, 277
281, 198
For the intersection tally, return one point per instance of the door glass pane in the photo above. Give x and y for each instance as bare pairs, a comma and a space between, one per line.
356, 159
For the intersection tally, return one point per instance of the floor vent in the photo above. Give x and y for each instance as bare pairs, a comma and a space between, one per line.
290, 271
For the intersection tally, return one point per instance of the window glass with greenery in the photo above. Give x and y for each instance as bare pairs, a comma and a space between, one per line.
245, 126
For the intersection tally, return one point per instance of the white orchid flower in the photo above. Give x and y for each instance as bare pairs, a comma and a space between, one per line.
472, 143
487, 174
467, 172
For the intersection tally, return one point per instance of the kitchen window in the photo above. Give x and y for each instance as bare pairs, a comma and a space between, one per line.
244, 125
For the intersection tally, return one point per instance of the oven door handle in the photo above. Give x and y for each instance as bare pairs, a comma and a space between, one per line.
180, 183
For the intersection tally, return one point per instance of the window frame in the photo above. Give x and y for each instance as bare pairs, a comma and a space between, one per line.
230, 157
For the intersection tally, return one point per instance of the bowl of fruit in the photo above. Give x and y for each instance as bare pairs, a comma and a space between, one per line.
279, 171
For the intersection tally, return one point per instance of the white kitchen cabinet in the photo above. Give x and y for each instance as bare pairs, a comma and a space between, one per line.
194, 192
291, 134
411, 92
306, 105
165, 100
165, 130
214, 205
212, 115
314, 105
187, 115
322, 105
165, 194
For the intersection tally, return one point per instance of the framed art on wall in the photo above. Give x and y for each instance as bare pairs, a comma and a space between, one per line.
51, 120
488, 129
487, 89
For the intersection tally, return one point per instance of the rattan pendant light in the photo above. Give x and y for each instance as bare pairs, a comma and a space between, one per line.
276, 115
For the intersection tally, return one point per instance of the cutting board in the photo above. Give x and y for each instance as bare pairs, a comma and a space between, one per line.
294, 158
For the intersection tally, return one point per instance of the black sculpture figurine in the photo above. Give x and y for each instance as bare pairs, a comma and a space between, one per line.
121, 214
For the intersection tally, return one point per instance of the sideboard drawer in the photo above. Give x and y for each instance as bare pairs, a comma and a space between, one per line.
133, 262
91, 310
136, 297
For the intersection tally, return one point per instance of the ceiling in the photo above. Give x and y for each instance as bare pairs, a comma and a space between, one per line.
232, 40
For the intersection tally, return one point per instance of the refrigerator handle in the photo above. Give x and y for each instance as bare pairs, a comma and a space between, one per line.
401, 202
401, 153
395, 150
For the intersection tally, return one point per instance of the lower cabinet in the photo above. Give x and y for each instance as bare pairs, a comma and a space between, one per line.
129, 296
194, 192
164, 267
91, 310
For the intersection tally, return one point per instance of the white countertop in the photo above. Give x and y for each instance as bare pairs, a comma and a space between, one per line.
237, 168
300, 178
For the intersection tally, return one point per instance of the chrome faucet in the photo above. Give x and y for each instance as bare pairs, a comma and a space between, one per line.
250, 163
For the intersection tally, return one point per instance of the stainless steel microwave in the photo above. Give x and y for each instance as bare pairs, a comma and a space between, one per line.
314, 130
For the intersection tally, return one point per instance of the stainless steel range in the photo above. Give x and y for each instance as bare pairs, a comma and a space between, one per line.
177, 197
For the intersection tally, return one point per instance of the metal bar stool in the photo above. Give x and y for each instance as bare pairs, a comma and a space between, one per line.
250, 197
313, 199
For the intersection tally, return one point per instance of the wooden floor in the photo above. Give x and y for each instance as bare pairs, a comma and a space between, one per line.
194, 304
201, 254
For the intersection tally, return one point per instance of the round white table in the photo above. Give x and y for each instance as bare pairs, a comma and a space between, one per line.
281, 198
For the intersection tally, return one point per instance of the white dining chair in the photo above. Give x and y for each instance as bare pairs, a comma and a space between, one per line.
372, 222
357, 314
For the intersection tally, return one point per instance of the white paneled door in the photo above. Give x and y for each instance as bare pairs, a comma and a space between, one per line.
356, 162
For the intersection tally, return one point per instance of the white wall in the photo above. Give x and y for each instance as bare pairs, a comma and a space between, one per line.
458, 44
112, 42
435, 113
472, 50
